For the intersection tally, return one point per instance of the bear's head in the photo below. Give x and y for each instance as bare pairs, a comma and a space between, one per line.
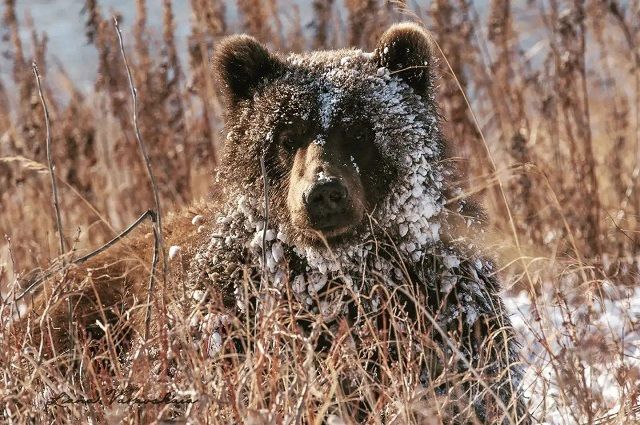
358, 179
348, 140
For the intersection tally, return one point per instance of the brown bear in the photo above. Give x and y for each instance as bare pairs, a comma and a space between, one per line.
336, 200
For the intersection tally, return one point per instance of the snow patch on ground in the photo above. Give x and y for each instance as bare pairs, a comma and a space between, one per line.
566, 333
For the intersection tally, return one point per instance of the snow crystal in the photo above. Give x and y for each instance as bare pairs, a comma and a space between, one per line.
197, 295
173, 252
451, 261
277, 251
270, 235
318, 285
355, 165
448, 281
215, 344
322, 177
299, 285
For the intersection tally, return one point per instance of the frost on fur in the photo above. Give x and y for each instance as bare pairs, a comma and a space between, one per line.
408, 251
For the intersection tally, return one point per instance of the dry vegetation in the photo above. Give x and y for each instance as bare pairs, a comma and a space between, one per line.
549, 132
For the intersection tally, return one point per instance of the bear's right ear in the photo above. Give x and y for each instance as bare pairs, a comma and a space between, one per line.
405, 49
241, 64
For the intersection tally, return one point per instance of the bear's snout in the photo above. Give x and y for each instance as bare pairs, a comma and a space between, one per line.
326, 202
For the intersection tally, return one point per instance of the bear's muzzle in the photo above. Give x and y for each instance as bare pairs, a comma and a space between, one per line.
327, 204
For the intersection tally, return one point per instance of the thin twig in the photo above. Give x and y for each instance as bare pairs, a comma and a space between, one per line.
157, 224
54, 185
154, 263
265, 185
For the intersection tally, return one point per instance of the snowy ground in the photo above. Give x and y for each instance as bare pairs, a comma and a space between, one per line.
585, 344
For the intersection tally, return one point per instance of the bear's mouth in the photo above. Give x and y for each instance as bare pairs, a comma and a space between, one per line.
327, 235
331, 228
334, 231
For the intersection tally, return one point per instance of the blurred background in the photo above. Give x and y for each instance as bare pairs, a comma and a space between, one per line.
64, 25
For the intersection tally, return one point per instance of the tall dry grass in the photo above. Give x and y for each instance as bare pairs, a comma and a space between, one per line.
542, 102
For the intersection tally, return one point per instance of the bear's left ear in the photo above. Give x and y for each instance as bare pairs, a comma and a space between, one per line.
241, 64
405, 49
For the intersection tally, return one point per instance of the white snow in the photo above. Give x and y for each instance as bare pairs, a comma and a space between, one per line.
612, 322
355, 164
174, 251
451, 261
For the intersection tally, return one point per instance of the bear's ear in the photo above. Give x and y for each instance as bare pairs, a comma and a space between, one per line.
241, 64
405, 49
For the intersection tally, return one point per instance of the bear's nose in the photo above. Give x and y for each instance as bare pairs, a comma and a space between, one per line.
326, 201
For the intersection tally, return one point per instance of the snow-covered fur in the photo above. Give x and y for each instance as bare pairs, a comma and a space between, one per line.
403, 274
418, 240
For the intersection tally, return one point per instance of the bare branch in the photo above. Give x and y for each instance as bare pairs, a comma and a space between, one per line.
157, 225
54, 185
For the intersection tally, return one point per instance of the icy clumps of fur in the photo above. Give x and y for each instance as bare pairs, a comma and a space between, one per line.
407, 135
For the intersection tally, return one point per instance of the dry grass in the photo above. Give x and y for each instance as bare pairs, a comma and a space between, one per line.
542, 101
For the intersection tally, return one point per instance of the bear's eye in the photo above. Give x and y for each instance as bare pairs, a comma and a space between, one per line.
290, 139
359, 133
